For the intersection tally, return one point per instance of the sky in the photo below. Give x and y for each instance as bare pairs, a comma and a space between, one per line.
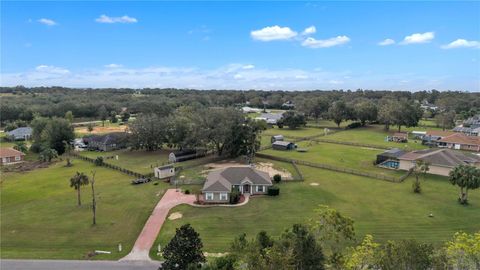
381, 45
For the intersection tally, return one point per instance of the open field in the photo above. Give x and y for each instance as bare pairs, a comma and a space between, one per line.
137, 161
386, 210
374, 135
351, 157
299, 132
40, 218
99, 129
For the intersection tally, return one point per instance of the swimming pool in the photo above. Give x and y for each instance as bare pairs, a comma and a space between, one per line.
390, 164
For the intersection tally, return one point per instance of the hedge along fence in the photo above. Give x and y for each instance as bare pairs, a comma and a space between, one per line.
298, 172
338, 169
114, 167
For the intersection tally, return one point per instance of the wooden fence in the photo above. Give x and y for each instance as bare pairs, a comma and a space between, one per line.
337, 169
296, 139
114, 167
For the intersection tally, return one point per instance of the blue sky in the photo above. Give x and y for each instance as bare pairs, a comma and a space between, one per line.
242, 45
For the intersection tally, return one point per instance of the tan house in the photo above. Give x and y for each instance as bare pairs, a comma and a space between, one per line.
460, 141
441, 161
10, 156
247, 180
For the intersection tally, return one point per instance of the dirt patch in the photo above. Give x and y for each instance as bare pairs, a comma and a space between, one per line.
175, 215
262, 166
100, 129
26, 166
314, 184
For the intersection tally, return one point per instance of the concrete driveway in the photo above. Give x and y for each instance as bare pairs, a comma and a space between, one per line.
147, 237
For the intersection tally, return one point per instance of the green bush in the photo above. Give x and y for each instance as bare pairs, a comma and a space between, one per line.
187, 191
277, 178
234, 196
273, 191
99, 161
354, 125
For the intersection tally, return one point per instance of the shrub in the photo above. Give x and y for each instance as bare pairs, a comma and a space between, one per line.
234, 196
273, 191
187, 191
98, 161
354, 125
277, 178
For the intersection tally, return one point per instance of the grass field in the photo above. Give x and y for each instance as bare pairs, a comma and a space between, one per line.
40, 218
386, 210
351, 157
374, 135
137, 161
299, 132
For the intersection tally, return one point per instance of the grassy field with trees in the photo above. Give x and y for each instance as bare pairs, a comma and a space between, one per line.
40, 217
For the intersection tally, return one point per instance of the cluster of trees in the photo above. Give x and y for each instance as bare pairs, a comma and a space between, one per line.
223, 130
326, 242
51, 136
21, 103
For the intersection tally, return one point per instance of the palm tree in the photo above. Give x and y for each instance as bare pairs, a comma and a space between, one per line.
466, 177
421, 167
78, 180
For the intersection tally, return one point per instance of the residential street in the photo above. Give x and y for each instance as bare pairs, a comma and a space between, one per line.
76, 265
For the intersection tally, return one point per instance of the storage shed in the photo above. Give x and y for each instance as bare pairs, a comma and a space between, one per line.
283, 145
276, 138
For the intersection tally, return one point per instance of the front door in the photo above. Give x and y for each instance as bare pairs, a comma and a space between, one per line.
246, 189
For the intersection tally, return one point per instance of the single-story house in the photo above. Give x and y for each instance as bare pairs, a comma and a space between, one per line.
470, 131
460, 141
247, 109
441, 161
107, 142
276, 138
432, 137
247, 180
283, 145
10, 156
165, 171
418, 134
21, 133
270, 118
389, 158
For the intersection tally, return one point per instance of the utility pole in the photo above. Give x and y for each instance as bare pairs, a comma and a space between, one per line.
94, 203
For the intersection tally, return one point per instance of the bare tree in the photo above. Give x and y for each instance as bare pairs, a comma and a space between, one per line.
94, 202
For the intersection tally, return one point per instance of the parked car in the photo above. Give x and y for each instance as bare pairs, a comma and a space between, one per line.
141, 181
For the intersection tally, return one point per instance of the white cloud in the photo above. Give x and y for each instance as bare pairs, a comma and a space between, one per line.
51, 69
124, 19
419, 38
309, 30
462, 43
273, 33
250, 66
325, 43
386, 42
113, 66
46, 21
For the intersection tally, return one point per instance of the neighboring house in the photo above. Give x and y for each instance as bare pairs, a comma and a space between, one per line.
22, 133
10, 156
164, 171
247, 180
276, 138
106, 142
470, 127
283, 145
418, 134
250, 110
460, 141
288, 105
389, 158
432, 137
270, 118
441, 161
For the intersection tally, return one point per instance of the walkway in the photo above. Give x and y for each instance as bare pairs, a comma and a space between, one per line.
147, 237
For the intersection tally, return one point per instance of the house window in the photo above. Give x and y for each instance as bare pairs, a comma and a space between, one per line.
17, 158
223, 196
209, 196
260, 189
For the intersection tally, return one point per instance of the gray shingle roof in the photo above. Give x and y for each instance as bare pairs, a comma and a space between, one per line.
442, 157
223, 180
20, 132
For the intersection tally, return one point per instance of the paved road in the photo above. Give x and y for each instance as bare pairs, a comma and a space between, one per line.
76, 265
145, 240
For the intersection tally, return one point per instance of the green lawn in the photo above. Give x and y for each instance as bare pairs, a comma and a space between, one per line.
137, 161
299, 132
350, 157
386, 210
374, 135
40, 218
